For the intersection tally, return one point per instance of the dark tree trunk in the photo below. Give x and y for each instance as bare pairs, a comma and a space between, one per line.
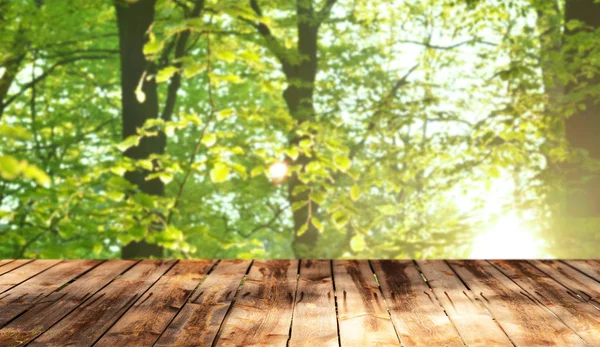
582, 129
299, 99
133, 20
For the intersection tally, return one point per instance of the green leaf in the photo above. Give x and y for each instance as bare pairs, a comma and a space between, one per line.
226, 113
317, 224
165, 177
36, 174
318, 196
152, 47
340, 219
257, 171
342, 162
219, 173
193, 69
298, 205
494, 172
355, 192
357, 243
9, 167
209, 139
145, 164
292, 153
302, 230
129, 142
165, 74
14, 132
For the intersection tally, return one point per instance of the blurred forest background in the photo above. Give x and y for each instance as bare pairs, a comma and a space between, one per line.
307, 128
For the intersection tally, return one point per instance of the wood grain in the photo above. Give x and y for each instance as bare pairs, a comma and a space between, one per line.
525, 321
88, 322
23, 273
579, 283
314, 321
362, 314
588, 267
148, 318
5, 261
473, 322
576, 313
262, 313
418, 318
11, 265
20, 298
199, 320
57, 305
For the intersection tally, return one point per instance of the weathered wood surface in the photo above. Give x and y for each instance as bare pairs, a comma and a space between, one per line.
363, 317
149, 316
299, 303
262, 313
471, 319
199, 321
418, 317
523, 319
314, 322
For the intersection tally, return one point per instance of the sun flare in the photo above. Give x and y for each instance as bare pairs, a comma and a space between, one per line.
507, 238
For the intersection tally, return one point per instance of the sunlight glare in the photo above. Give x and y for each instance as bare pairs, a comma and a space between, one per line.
506, 239
278, 171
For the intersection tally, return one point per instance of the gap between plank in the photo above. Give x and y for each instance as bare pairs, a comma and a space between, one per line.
237, 292
294, 307
84, 301
32, 305
187, 300
133, 302
337, 316
589, 298
534, 299
573, 267
387, 308
438, 301
481, 304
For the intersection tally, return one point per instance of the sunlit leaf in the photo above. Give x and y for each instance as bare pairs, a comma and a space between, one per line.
219, 173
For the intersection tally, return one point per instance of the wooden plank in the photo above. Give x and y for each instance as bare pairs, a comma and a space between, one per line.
144, 322
262, 313
5, 261
577, 282
577, 314
526, 322
588, 267
20, 298
23, 273
60, 303
474, 324
314, 321
88, 322
418, 318
200, 318
13, 265
362, 315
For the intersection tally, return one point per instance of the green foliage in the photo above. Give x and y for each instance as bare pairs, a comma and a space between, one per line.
422, 109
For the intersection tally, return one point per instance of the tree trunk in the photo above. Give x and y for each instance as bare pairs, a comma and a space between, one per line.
299, 99
134, 19
582, 203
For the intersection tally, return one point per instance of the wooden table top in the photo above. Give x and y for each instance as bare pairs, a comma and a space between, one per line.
299, 303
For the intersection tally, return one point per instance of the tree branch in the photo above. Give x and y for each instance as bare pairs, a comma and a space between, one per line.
271, 42
180, 50
325, 11
46, 73
401, 82
456, 45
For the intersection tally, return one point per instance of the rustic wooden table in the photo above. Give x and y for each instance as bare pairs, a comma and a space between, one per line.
299, 303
